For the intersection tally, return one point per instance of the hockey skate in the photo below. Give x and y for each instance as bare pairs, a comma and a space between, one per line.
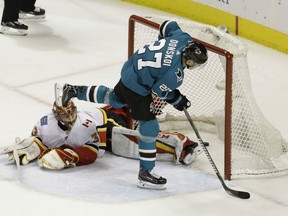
37, 13
69, 92
14, 28
149, 180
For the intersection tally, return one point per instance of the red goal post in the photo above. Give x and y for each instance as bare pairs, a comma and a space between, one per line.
224, 101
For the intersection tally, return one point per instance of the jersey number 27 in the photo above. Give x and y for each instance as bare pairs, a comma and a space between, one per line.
157, 55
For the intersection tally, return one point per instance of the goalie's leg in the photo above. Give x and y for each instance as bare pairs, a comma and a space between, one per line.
171, 146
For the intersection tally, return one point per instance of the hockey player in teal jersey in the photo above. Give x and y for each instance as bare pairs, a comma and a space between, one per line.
159, 66
156, 68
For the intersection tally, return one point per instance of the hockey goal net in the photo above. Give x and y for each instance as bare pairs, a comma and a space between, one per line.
222, 100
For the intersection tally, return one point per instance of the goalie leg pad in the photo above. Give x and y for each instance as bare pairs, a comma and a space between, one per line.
183, 149
171, 146
124, 142
190, 153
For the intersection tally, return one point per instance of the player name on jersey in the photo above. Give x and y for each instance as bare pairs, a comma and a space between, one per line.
170, 52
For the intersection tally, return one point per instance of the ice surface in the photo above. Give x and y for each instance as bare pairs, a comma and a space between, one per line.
111, 179
85, 42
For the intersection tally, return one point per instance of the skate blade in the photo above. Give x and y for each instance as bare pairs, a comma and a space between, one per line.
11, 31
150, 186
31, 16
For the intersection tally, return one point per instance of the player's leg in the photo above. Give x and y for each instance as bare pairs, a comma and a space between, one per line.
95, 94
9, 23
28, 10
141, 110
169, 145
147, 155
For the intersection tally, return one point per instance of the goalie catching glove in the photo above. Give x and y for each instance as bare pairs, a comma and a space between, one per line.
179, 101
32, 148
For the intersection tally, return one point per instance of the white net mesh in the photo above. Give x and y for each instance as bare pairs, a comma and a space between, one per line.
257, 148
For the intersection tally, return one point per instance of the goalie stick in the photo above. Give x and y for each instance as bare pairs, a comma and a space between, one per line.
239, 194
16, 156
17, 161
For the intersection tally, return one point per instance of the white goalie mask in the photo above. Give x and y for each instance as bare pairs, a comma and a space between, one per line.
66, 115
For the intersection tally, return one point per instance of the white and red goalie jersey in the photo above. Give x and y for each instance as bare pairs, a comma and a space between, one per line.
81, 145
83, 132
56, 147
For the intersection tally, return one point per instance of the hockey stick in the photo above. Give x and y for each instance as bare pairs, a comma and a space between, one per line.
239, 194
16, 156
17, 161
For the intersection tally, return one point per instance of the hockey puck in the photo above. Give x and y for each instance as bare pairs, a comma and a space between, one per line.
206, 143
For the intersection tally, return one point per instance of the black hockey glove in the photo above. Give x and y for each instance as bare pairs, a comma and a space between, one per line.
179, 101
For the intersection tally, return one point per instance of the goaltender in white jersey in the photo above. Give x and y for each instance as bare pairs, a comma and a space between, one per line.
68, 138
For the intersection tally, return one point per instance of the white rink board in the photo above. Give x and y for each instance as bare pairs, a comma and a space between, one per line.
268, 13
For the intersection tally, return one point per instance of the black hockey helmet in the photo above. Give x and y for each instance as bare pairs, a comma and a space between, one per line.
196, 52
